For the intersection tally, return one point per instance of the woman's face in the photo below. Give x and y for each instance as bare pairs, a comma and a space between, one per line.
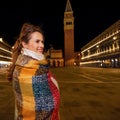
36, 43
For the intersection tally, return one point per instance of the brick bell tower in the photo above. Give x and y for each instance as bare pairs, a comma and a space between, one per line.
68, 35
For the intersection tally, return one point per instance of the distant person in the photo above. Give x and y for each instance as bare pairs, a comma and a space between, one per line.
36, 91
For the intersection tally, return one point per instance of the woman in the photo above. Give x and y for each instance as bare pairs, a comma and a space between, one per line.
37, 95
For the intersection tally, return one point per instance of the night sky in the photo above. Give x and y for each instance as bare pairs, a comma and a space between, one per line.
89, 20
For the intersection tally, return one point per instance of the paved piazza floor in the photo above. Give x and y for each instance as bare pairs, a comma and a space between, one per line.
86, 94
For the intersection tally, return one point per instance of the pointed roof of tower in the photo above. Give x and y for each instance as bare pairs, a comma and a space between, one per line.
68, 7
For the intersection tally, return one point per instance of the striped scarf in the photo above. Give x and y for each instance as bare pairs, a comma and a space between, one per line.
37, 95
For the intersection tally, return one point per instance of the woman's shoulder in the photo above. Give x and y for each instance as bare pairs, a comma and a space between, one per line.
23, 59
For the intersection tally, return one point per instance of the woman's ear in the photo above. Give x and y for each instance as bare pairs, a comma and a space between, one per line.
24, 45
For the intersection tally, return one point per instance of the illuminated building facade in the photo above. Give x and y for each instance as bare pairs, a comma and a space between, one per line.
5, 54
103, 50
55, 57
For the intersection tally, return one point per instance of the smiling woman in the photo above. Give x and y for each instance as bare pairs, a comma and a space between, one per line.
36, 91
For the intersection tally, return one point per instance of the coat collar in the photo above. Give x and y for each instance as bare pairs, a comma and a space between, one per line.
32, 54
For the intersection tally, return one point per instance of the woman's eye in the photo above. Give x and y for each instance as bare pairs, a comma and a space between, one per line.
37, 41
42, 41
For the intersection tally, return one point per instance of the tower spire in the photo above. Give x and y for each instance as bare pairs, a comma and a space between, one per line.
68, 7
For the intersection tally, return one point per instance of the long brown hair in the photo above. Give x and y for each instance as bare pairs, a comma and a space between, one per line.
25, 34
